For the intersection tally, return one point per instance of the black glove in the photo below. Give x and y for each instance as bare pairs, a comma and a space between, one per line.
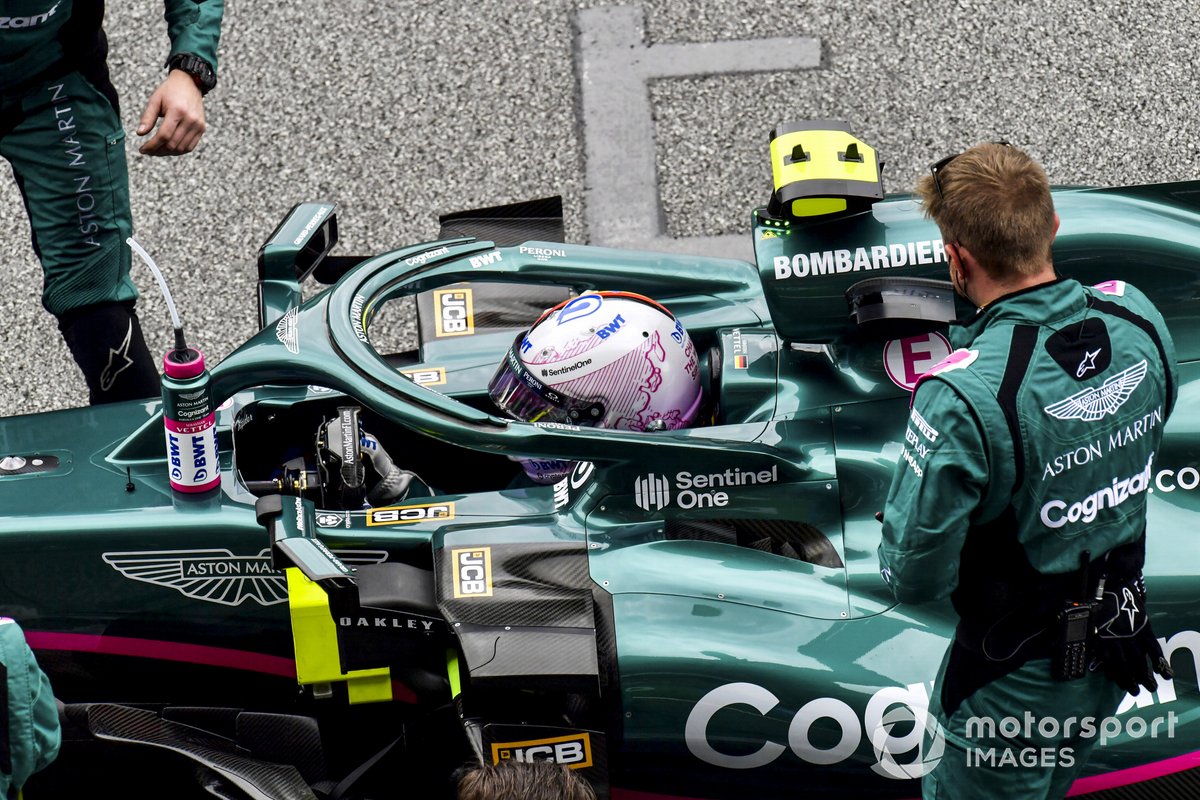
393, 482
1127, 649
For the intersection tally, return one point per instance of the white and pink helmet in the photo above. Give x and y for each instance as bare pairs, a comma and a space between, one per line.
603, 359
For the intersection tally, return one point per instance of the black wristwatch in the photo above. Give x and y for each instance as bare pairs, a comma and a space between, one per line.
200, 70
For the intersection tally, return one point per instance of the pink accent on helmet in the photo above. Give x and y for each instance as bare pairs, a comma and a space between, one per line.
626, 354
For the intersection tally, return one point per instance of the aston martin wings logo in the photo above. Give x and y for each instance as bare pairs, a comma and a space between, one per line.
219, 576
1096, 403
287, 331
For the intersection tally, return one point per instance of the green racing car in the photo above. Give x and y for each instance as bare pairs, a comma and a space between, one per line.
692, 613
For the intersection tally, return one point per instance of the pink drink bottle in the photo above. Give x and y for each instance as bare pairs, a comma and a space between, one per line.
190, 419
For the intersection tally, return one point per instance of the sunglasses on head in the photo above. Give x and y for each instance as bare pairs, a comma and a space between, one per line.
936, 168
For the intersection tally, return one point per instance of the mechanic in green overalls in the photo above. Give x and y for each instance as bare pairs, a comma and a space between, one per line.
29, 728
60, 130
1021, 489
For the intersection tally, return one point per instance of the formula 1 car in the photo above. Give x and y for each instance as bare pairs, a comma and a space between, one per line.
374, 596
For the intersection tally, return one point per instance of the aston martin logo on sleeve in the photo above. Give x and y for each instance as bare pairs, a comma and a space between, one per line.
217, 575
1096, 403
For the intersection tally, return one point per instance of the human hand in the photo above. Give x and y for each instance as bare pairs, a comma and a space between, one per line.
1127, 649
179, 104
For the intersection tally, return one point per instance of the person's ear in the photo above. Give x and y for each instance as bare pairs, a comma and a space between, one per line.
967, 264
952, 255
962, 261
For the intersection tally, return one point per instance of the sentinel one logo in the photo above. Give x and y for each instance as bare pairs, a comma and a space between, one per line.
552, 372
472, 571
652, 492
688, 490
896, 722
573, 751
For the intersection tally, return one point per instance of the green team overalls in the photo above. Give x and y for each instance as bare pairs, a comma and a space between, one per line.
1032, 443
30, 734
61, 132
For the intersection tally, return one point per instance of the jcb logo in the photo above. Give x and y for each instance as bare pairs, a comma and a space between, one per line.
407, 515
472, 572
453, 312
432, 376
573, 752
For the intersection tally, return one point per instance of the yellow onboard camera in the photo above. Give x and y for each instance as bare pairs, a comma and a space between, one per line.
820, 168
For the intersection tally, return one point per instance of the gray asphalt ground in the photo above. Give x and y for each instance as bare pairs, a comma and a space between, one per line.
401, 110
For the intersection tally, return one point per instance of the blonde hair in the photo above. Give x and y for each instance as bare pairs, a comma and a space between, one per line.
534, 780
995, 201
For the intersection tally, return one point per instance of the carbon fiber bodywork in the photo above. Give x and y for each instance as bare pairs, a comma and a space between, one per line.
537, 623
258, 779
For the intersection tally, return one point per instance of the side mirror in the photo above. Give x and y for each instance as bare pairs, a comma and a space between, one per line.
895, 308
291, 253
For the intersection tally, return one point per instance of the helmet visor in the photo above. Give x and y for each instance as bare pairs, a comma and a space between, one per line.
519, 393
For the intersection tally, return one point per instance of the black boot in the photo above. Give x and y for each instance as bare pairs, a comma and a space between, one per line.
107, 343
